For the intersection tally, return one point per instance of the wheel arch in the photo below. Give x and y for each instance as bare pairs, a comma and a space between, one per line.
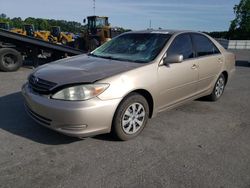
147, 95
225, 74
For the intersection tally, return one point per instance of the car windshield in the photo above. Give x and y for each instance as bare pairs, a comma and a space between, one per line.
135, 47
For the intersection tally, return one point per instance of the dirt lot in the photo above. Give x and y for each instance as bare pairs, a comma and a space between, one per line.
200, 144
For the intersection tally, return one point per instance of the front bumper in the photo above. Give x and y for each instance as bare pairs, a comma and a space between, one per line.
73, 118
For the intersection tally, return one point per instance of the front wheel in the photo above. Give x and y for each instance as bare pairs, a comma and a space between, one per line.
131, 117
218, 88
93, 44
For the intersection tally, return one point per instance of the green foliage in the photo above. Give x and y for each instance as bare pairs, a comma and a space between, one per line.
43, 24
240, 26
3, 16
218, 34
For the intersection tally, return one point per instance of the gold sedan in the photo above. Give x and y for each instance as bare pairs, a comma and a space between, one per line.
129, 79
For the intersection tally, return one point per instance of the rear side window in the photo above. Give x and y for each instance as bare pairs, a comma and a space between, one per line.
204, 46
181, 45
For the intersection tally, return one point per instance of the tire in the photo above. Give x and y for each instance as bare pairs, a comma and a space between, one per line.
93, 44
130, 117
10, 60
218, 89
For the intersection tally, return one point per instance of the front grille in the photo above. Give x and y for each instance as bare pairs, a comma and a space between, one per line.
38, 117
40, 86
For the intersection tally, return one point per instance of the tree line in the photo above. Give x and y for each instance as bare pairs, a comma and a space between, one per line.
240, 26
43, 24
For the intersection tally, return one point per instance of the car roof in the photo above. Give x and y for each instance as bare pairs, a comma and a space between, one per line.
164, 31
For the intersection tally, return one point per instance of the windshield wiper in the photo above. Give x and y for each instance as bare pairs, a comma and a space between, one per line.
116, 58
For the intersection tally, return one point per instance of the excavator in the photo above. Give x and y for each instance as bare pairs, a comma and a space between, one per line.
98, 31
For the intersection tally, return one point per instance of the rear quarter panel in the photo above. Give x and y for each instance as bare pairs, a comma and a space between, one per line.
229, 64
229, 59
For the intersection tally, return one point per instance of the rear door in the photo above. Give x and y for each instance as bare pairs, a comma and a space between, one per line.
209, 60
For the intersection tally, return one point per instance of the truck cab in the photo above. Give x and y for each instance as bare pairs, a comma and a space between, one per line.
99, 29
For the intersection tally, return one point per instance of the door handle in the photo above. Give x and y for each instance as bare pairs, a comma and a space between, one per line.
194, 66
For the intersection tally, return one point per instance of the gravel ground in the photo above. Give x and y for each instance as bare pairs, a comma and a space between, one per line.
201, 144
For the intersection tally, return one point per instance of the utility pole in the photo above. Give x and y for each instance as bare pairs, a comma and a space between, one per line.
94, 6
150, 24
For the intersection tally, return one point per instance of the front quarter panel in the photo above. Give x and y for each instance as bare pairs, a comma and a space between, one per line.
144, 77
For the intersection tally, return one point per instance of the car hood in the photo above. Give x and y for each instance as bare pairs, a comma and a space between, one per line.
82, 69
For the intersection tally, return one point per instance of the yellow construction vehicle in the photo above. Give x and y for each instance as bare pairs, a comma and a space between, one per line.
55, 35
27, 29
59, 37
44, 35
98, 32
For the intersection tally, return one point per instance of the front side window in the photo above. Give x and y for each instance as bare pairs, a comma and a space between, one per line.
135, 47
182, 45
204, 46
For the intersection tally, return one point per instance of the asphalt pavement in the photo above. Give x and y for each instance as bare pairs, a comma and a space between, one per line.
201, 144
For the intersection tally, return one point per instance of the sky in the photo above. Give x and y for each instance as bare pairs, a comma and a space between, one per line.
199, 15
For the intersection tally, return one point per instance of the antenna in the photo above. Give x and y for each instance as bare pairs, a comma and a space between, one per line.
94, 6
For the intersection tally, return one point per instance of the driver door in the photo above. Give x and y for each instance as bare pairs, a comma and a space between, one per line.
178, 81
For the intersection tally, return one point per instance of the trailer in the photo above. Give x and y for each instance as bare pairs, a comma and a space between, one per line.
15, 48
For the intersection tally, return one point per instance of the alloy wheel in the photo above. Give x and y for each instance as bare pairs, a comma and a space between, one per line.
133, 118
219, 87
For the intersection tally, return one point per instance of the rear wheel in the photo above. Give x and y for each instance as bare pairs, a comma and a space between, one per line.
218, 88
10, 59
131, 117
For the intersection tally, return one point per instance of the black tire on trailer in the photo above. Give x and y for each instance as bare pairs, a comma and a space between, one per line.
10, 59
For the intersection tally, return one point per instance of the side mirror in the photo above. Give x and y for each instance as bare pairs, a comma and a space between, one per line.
176, 58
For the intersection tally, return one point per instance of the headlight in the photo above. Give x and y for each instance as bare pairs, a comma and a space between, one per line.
80, 92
